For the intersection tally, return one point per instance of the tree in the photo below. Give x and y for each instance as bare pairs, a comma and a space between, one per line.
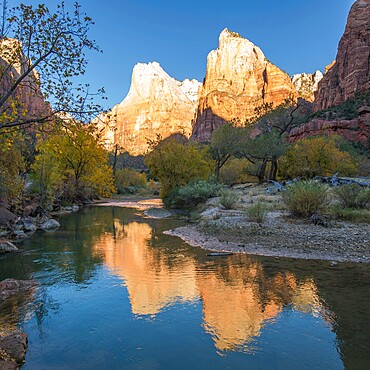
316, 156
75, 153
39, 48
260, 150
263, 144
224, 141
175, 163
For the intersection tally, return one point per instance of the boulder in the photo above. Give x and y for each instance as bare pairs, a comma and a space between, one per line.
210, 214
50, 224
7, 364
18, 234
7, 218
157, 213
11, 287
7, 247
13, 347
28, 225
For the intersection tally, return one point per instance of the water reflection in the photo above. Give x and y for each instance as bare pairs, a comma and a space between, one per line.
278, 308
152, 284
237, 297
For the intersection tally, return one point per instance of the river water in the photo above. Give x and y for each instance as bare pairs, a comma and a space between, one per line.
116, 293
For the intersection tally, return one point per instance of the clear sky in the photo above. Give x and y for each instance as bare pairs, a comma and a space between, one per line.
296, 35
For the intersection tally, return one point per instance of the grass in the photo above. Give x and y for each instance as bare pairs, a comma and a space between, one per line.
229, 199
257, 212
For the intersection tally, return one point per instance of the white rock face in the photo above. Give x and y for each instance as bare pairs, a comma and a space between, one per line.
190, 88
306, 84
156, 104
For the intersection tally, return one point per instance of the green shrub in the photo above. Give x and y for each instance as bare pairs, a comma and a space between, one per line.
349, 214
129, 181
352, 196
305, 198
191, 195
364, 198
257, 212
229, 199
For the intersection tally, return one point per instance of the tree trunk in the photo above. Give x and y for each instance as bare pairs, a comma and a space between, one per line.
115, 160
261, 172
274, 168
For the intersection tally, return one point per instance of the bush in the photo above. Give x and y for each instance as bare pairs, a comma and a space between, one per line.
257, 212
305, 198
350, 214
129, 181
352, 196
191, 195
228, 199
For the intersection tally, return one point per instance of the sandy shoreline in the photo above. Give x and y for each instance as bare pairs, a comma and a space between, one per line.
192, 235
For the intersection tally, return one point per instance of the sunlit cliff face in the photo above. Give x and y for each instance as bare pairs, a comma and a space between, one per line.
238, 299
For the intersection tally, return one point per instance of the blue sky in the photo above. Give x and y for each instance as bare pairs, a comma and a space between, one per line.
297, 36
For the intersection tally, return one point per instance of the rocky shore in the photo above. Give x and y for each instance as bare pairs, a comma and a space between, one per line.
14, 294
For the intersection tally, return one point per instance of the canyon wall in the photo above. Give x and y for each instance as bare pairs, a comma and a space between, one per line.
350, 73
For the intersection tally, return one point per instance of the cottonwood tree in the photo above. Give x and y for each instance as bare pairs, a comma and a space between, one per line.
224, 141
41, 48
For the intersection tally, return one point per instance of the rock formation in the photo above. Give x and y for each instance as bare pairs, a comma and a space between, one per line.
347, 75
307, 84
239, 78
155, 105
27, 98
351, 71
357, 129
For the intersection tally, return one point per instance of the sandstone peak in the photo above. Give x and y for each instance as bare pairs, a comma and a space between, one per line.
239, 78
156, 104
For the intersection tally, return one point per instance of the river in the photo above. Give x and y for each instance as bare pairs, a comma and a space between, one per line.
115, 292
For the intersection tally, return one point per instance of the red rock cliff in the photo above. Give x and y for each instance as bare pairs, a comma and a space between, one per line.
351, 71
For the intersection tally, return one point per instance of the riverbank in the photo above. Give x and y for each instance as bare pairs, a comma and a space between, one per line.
279, 235
223, 230
344, 243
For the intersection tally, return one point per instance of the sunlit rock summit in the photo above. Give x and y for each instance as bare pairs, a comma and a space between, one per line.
156, 104
306, 84
239, 78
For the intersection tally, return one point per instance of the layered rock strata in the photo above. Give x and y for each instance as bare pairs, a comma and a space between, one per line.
156, 105
350, 73
357, 129
239, 78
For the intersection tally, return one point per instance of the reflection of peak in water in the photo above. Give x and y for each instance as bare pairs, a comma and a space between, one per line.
238, 296
151, 282
237, 307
